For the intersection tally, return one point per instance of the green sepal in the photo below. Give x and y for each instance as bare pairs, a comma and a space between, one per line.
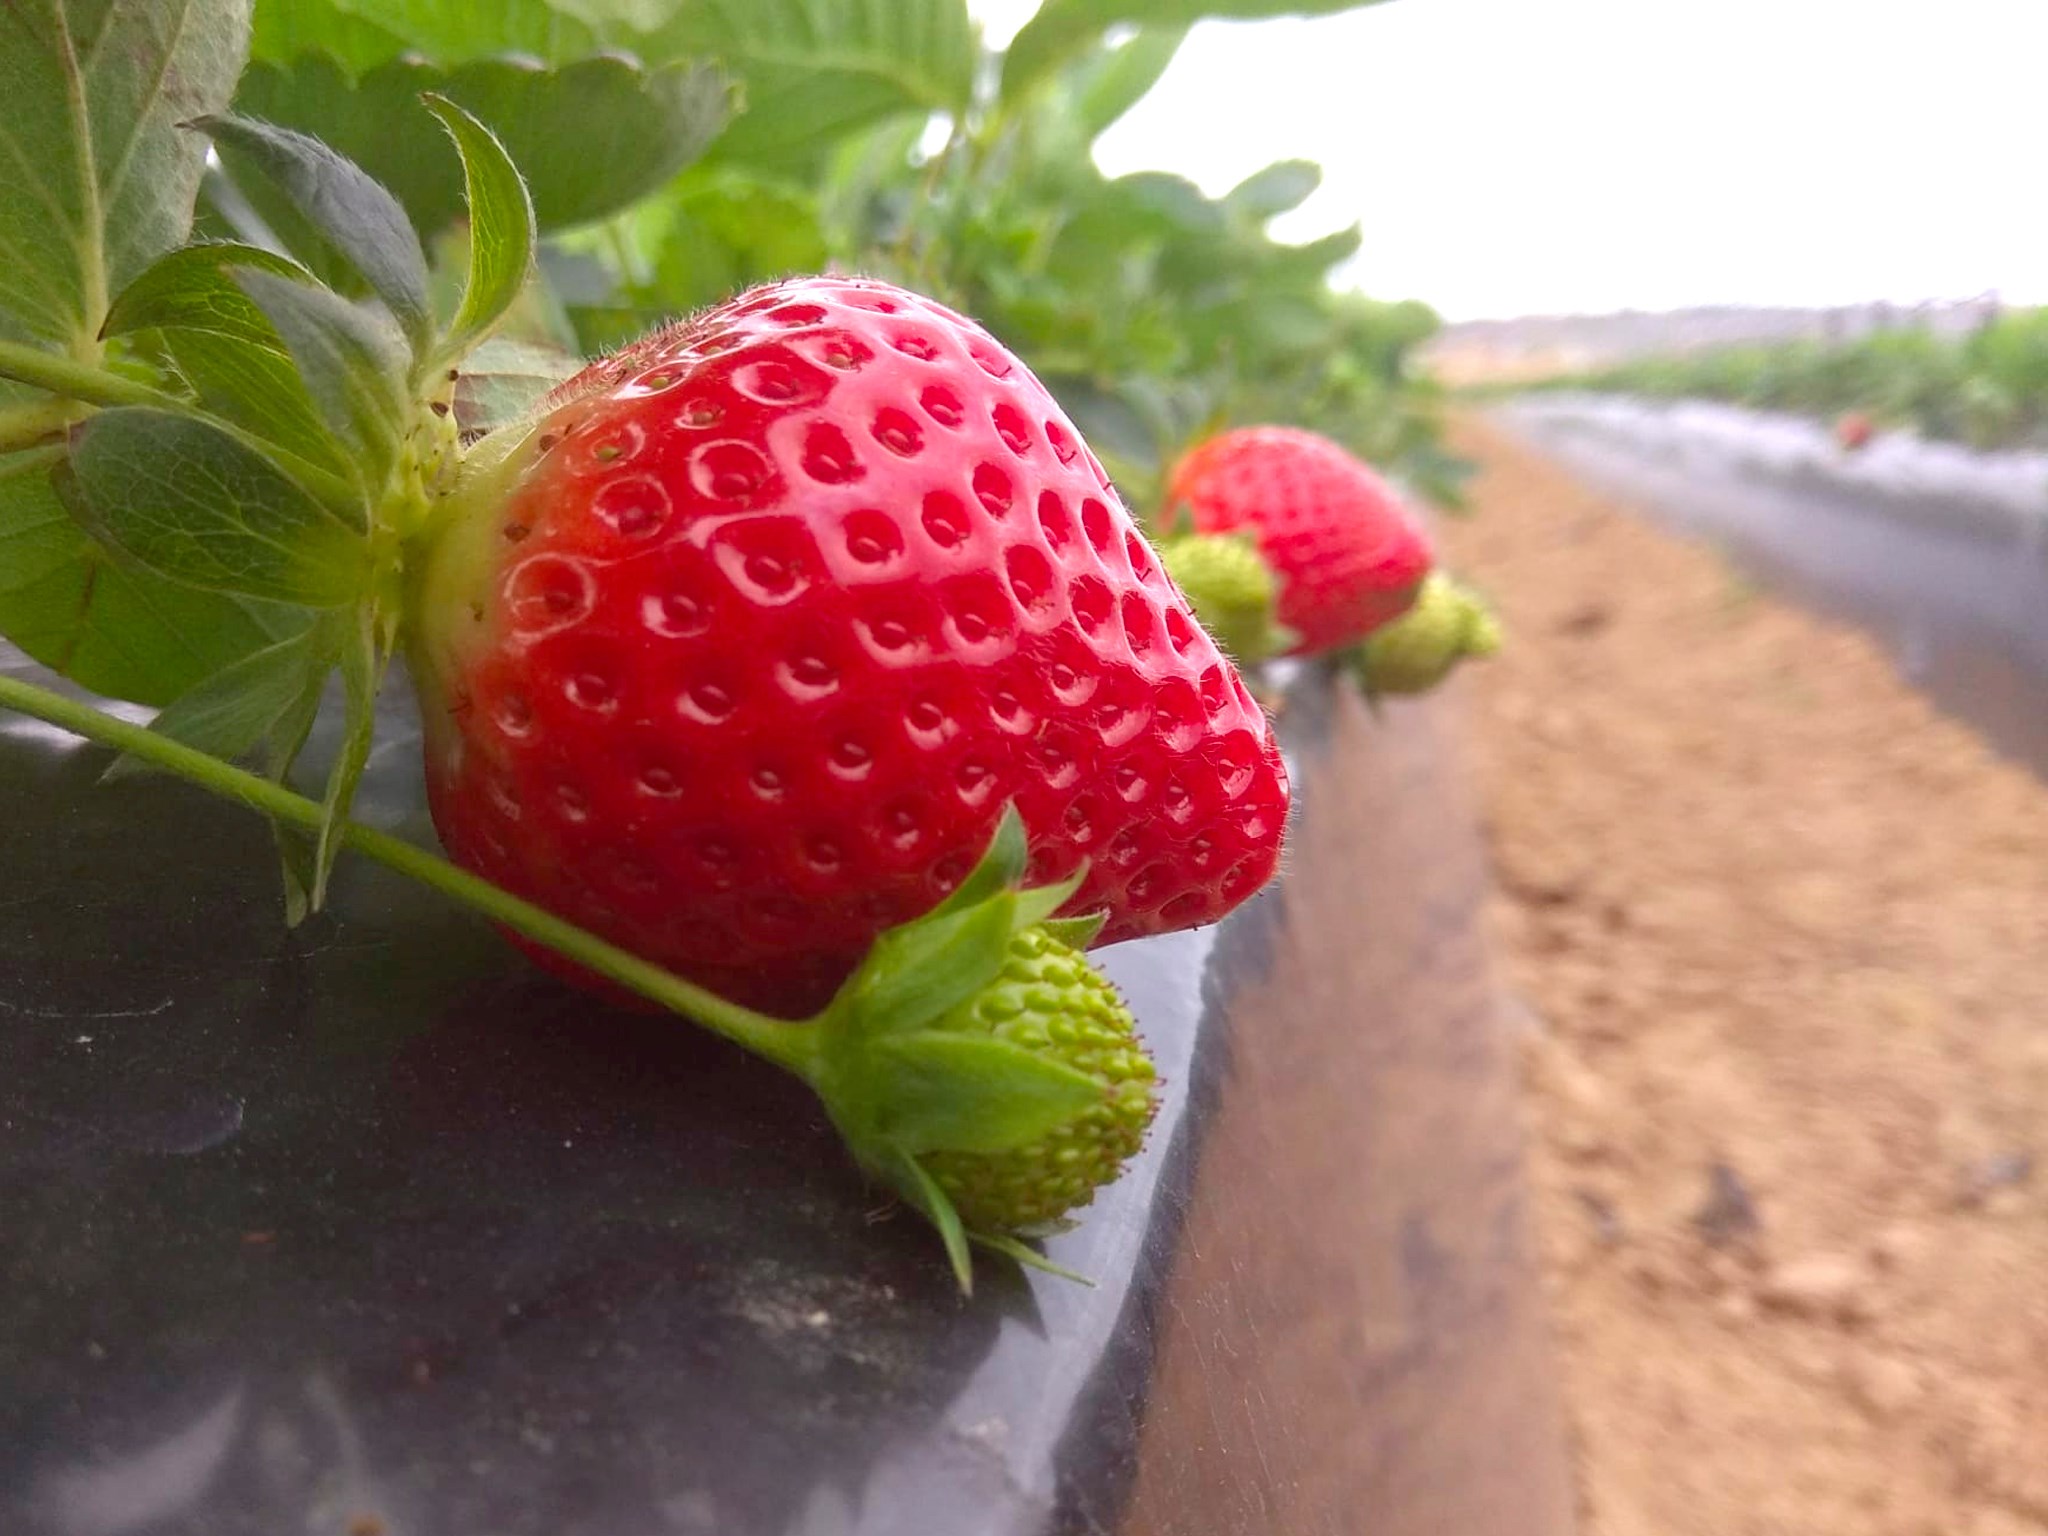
353, 362
360, 666
504, 381
1001, 865
502, 231
923, 970
224, 347
1077, 933
1035, 904
363, 222
909, 1178
957, 1092
240, 707
183, 498
297, 850
182, 289
1020, 1252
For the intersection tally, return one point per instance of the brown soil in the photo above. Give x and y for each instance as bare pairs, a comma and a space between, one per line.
1781, 934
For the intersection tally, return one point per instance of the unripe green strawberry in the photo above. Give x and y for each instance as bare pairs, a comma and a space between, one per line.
1447, 625
1233, 591
1050, 1001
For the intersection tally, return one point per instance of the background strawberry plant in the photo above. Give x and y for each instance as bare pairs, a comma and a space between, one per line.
211, 452
680, 150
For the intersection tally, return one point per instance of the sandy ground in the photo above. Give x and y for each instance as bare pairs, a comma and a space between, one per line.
1780, 932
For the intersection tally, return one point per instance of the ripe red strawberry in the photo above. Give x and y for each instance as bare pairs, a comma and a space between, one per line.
1348, 556
737, 654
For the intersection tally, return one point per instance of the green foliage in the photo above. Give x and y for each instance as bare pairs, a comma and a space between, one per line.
190, 503
1155, 313
589, 136
112, 628
187, 310
212, 455
502, 231
100, 181
1063, 29
1988, 389
816, 70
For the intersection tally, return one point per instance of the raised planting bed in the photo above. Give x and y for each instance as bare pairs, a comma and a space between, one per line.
373, 1229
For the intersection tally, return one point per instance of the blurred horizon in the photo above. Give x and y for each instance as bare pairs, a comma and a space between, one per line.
1588, 157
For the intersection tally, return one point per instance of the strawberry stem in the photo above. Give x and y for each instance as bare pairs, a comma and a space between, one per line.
78, 381
794, 1046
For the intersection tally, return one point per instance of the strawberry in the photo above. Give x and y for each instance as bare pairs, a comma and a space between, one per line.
1447, 625
736, 653
1853, 430
1348, 556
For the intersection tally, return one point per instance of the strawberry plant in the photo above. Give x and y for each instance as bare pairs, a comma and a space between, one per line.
798, 657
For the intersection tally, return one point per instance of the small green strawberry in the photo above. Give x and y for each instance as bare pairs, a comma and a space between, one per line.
979, 1065
1233, 591
1050, 1001
1448, 624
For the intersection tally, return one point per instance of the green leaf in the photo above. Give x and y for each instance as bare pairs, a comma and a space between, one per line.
189, 502
99, 179
607, 15
107, 626
351, 212
589, 137
1063, 28
284, 29
359, 669
1267, 193
974, 1093
814, 70
501, 229
1109, 86
225, 348
232, 712
352, 360
504, 380
908, 1175
365, 33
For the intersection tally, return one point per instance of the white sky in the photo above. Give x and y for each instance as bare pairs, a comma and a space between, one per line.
1533, 156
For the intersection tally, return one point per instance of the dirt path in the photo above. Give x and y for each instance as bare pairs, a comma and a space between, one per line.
1782, 936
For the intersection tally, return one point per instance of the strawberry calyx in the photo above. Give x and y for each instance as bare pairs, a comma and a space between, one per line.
964, 1046
1234, 591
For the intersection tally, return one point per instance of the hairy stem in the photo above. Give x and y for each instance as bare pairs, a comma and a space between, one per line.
790, 1045
74, 380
